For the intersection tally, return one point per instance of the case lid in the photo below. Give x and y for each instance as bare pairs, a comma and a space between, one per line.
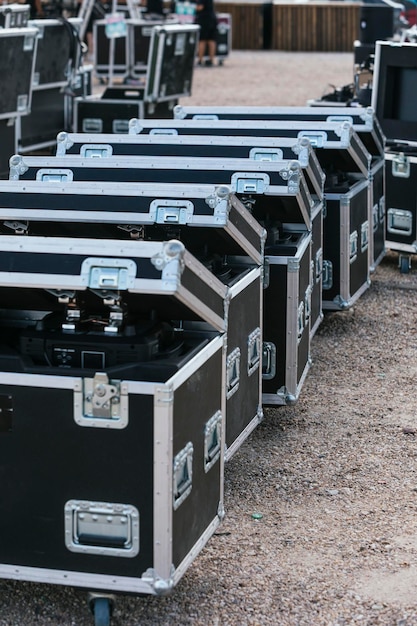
337, 143
363, 119
171, 58
101, 145
204, 217
394, 89
281, 184
137, 277
58, 52
20, 45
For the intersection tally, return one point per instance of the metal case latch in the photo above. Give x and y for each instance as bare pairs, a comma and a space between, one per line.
92, 125
172, 211
401, 166
318, 265
300, 320
266, 154
317, 139
269, 360
353, 246
375, 217
364, 236
54, 176
120, 127
96, 151
101, 403
103, 273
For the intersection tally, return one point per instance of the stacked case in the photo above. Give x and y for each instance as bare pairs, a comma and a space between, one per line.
162, 286
138, 307
278, 196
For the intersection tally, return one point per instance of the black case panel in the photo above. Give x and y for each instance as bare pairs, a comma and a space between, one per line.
47, 459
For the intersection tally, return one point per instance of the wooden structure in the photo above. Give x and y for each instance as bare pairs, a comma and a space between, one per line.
248, 23
317, 26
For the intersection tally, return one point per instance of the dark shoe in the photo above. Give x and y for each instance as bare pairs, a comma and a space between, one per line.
209, 63
200, 63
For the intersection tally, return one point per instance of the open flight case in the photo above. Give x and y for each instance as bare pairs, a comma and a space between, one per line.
213, 225
364, 122
275, 192
88, 331
343, 156
393, 97
219, 146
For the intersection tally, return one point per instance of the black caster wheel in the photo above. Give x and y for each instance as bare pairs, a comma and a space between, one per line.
102, 609
405, 264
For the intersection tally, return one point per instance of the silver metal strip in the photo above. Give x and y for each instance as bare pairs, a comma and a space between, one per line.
67, 245
77, 579
163, 480
246, 280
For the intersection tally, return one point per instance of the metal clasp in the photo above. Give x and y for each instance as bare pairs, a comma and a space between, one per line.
101, 403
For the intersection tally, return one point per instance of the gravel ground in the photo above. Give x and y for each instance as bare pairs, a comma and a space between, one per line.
331, 478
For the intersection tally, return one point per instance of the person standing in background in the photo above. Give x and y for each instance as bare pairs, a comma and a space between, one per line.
206, 19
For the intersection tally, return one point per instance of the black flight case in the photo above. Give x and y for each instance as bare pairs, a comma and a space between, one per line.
257, 148
275, 190
212, 224
364, 122
340, 151
393, 98
91, 328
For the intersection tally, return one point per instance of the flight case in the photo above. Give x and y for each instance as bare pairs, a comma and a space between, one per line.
393, 96
364, 123
272, 184
18, 50
57, 59
346, 272
259, 148
137, 530
287, 310
212, 224
14, 15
